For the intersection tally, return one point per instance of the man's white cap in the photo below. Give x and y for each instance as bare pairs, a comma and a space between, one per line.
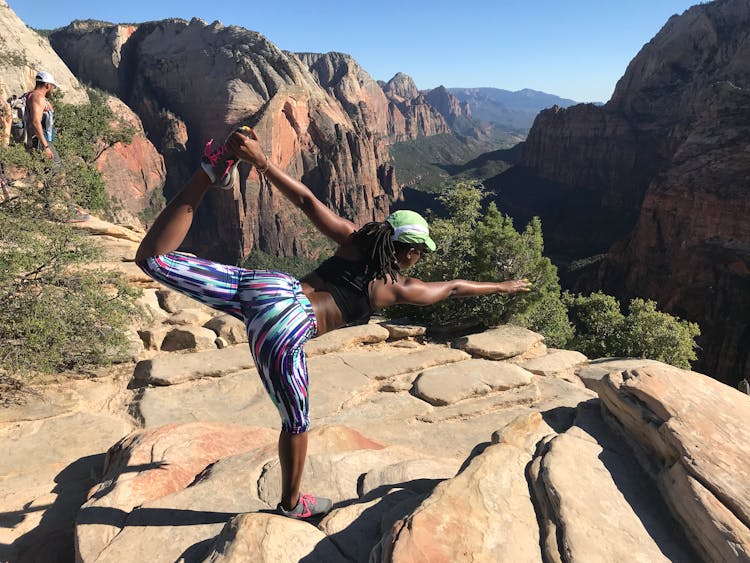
44, 76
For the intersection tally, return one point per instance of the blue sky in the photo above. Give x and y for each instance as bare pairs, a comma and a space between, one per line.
576, 49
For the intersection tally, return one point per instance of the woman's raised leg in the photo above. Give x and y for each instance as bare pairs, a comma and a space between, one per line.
173, 223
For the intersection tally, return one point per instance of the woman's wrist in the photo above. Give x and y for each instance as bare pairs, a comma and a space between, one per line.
263, 169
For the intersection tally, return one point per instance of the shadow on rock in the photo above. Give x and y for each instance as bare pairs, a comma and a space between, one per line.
396, 501
51, 541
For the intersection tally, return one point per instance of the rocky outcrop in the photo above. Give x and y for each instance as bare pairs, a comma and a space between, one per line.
429, 454
190, 81
692, 434
411, 115
447, 104
133, 172
657, 178
24, 52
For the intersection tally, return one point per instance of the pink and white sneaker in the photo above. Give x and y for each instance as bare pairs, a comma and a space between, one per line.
220, 165
308, 506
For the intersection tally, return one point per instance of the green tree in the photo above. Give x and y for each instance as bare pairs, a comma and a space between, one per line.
486, 247
601, 330
597, 322
648, 333
297, 266
57, 313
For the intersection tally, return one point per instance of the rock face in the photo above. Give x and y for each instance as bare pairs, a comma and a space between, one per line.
134, 173
411, 115
692, 434
447, 104
25, 52
189, 82
428, 454
658, 178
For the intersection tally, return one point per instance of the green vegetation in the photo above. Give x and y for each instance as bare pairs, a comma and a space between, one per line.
57, 313
296, 266
486, 247
602, 330
435, 163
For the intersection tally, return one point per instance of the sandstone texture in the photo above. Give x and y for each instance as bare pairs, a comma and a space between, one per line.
25, 52
428, 453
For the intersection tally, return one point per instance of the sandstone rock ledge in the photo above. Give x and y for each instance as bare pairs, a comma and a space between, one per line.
541, 490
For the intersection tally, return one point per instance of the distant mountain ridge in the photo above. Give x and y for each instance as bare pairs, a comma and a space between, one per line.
514, 109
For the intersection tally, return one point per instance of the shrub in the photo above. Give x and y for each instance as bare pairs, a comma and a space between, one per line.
488, 248
297, 266
602, 330
55, 312
649, 333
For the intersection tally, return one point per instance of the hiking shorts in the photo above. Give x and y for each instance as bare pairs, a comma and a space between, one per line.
278, 317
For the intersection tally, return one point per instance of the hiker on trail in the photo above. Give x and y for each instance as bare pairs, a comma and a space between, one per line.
41, 130
41, 117
280, 312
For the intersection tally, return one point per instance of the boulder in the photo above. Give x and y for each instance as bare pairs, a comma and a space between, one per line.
485, 513
229, 328
587, 491
555, 363
449, 384
189, 338
345, 338
190, 316
398, 329
169, 369
151, 464
265, 538
499, 343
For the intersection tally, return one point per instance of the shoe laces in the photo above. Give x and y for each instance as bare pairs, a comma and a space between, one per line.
212, 155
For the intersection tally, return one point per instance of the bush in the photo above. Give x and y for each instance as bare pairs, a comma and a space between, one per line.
602, 330
55, 312
296, 266
487, 248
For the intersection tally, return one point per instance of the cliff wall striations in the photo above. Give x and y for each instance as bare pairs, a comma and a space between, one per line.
670, 150
190, 81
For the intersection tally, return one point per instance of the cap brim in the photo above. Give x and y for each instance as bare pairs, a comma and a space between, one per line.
430, 244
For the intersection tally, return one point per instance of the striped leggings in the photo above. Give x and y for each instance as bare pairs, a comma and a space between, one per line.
278, 317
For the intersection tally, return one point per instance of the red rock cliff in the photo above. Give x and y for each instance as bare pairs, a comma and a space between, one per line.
671, 145
189, 81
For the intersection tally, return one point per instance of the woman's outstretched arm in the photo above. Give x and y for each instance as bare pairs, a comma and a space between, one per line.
417, 292
333, 226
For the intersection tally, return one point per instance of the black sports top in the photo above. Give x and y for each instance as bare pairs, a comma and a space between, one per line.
348, 284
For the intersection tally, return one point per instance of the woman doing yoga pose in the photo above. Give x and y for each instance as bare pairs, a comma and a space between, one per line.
280, 312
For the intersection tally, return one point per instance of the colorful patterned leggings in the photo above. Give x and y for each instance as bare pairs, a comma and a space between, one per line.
278, 317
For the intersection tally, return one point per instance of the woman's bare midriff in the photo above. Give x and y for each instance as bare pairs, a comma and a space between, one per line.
327, 313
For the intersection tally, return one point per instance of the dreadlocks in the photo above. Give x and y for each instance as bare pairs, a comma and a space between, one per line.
375, 244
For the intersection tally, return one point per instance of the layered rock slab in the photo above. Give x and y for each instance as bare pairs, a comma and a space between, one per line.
152, 464
693, 435
483, 514
598, 507
446, 385
499, 343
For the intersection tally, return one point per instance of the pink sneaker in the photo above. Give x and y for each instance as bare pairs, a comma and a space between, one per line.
308, 506
220, 165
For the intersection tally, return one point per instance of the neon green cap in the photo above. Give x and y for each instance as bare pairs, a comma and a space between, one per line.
411, 228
